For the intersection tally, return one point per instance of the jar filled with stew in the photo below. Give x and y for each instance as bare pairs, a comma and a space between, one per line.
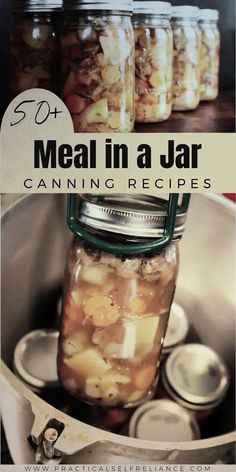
97, 47
34, 52
119, 286
153, 61
210, 54
196, 378
186, 63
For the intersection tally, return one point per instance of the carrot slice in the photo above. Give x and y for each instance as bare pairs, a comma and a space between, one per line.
143, 378
101, 311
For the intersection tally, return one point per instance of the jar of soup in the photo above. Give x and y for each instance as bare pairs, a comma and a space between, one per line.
34, 56
196, 378
153, 61
97, 47
210, 54
186, 63
118, 290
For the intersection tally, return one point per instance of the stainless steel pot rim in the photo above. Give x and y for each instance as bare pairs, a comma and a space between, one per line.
37, 402
176, 375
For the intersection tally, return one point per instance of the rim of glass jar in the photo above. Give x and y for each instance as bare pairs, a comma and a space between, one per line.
184, 402
152, 7
182, 21
149, 16
185, 12
125, 6
196, 401
153, 243
37, 6
214, 22
208, 14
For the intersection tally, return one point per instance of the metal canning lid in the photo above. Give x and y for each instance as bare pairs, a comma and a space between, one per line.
123, 5
131, 215
35, 359
177, 329
21, 6
185, 11
163, 420
208, 14
153, 7
197, 375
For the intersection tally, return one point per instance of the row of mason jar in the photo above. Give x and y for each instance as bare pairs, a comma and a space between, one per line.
173, 50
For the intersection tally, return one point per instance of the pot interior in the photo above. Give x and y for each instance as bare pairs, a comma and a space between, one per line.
35, 241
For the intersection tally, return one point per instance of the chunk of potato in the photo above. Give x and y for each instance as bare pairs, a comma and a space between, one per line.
97, 112
111, 74
88, 363
93, 387
114, 119
116, 378
75, 343
110, 393
155, 80
146, 329
95, 274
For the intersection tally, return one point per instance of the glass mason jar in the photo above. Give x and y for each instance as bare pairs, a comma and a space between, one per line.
153, 61
210, 54
34, 56
97, 47
186, 64
199, 390
117, 298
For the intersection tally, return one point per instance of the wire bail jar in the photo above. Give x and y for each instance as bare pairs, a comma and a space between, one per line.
119, 286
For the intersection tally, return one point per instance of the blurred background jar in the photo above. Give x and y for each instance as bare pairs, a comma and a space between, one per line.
195, 377
186, 64
153, 61
210, 54
97, 46
119, 286
34, 53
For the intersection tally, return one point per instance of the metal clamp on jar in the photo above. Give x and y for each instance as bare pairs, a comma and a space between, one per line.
119, 286
34, 52
97, 48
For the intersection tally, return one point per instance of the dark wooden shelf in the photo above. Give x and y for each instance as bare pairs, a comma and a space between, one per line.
210, 117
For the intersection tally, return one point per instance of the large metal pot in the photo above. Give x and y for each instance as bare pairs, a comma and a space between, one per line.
34, 245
